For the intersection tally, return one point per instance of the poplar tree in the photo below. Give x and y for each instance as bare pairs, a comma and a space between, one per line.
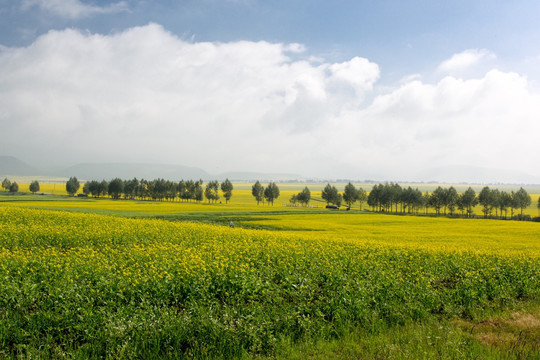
330, 194
6, 184
227, 188
271, 193
34, 186
350, 195
72, 185
523, 199
257, 190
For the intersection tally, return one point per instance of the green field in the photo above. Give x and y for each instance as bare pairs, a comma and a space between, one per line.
94, 278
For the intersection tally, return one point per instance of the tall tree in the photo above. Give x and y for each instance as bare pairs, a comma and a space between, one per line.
437, 199
6, 184
374, 197
103, 188
14, 187
271, 193
485, 199
116, 188
34, 187
426, 200
227, 188
304, 196
469, 200
199, 190
362, 197
329, 194
350, 195
182, 190
505, 199
211, 191
523, 199
130, 187
451, 199
72, 186
257, 190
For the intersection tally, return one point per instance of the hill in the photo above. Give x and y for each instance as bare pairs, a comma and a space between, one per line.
96, 171
10, 165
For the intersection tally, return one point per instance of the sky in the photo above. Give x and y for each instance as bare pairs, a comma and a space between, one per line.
329, 89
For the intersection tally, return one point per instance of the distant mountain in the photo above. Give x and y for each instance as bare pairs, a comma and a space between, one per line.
107, 171
253, 176
478, 175
11, 166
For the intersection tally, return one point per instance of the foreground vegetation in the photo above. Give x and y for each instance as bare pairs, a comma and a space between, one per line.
320, 284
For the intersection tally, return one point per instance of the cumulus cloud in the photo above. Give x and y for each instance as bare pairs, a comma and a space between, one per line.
74, 9
487, 122
147, 95
465, 60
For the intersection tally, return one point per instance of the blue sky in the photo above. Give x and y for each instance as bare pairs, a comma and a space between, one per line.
398, 80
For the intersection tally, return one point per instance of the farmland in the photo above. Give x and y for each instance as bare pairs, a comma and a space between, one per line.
97, 278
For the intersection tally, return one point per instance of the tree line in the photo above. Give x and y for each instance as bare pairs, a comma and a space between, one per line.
393, 198
388, 197
13, 187
158, 189
447, 201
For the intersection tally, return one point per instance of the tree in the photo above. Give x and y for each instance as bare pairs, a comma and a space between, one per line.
199, 190
523, 199
183, 194
211, 191
469, 200
362, 197
538, 205
86, 188
513, 203
93, 188
350, 195
227, 188
426, 200
485, 199
495, 201
116, 188
505, 199
451, 199
14, 187
34, 186
130, 187
257, 190
103, 188
271, 193
374, 197
294, 199
190, 190
304, 196
72, 186
437, 199
6, 184
330, 194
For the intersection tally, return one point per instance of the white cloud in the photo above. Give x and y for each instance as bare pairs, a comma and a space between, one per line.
74, 9
147, 95
358, 73
465, 60
489, 122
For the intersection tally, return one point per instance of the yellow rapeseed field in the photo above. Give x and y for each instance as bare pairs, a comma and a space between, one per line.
78, 280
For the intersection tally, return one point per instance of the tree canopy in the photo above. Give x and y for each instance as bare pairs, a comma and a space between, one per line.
72, 186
